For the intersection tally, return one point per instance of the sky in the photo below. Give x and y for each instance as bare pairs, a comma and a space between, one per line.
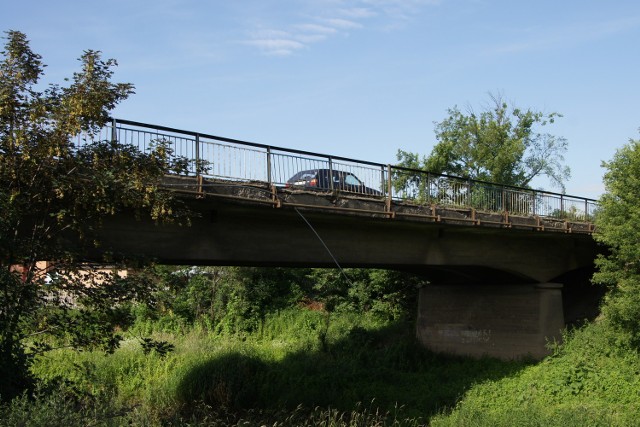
357, 78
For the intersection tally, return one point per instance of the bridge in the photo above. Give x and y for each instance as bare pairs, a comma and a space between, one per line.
496, 256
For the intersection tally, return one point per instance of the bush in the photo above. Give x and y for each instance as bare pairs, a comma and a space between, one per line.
617, 226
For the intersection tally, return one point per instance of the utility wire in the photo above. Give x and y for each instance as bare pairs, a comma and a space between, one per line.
325, 246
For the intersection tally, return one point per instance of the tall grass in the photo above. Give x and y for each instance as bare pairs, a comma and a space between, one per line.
310, 368
591, 380
301, 367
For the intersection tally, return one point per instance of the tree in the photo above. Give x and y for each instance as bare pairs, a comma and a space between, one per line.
617, 225
500, 144
227, 299
53, 192
387, 294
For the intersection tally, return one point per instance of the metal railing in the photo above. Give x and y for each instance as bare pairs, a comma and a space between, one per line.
229, 159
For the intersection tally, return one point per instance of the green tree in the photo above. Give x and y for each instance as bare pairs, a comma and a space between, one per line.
617, 224
501, 144
226, 299
388, 294
54, 192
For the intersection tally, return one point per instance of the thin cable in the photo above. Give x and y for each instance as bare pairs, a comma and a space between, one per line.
325, 246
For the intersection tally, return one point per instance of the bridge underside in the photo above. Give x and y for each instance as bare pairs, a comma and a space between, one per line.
229, 232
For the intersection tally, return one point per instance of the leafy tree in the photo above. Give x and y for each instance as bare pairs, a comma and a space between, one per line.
226, 299
617, 224
53, 194
500, 144
386, 293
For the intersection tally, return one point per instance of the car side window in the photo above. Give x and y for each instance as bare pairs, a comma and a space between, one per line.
351, 180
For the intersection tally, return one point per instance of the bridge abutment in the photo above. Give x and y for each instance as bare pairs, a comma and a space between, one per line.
506, 321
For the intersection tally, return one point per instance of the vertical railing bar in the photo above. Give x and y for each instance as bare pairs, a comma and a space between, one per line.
197, 153
113, 130
389, 188
331, 174
586, 209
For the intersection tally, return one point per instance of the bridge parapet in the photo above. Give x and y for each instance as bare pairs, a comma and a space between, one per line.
368, 206
225, 159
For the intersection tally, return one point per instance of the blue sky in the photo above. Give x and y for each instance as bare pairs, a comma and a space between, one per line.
357, 78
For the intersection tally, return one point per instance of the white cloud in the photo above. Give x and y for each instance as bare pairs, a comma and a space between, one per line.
316, 28
404, 4
276, 47
311, 38
343, 24
357, 12
331, 18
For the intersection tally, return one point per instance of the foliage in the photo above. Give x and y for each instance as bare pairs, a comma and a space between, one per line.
236, 300
589, 380
225, 299
54, 193
617, 225
500, 144
58, 410
284, 374
385, 293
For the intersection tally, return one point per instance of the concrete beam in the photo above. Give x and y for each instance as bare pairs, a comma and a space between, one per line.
226, 232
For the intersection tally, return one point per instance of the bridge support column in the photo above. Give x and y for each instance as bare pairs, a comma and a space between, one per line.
507, 322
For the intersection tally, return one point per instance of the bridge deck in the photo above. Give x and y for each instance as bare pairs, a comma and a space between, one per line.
371, 206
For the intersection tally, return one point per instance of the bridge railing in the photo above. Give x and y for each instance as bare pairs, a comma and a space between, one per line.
229, 159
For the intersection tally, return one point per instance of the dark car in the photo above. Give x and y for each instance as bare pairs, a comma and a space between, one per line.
320, 179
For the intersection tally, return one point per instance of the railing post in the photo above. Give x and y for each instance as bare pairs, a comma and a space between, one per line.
533, 202
586, 210
389, 188
428, 189
562, 214
331, 174
269, 165
197, 150
114, 130
469, 200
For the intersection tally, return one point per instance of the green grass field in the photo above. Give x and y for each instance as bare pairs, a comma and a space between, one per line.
345, 369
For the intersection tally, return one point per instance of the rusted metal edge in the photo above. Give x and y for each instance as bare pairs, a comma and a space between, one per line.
414, 215
336, 208
226, 196
278, 203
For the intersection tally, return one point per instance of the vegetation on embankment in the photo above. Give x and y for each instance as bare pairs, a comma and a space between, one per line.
303, 366
306, 367
593, 379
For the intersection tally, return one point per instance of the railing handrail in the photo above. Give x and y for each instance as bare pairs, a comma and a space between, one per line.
495, 184
247, 143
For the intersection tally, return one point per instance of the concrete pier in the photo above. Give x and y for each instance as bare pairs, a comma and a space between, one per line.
507, 321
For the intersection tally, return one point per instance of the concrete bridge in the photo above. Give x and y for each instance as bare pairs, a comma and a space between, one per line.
496, 275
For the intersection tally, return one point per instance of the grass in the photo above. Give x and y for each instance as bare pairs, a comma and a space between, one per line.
592, 380
306, 368
302, 368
